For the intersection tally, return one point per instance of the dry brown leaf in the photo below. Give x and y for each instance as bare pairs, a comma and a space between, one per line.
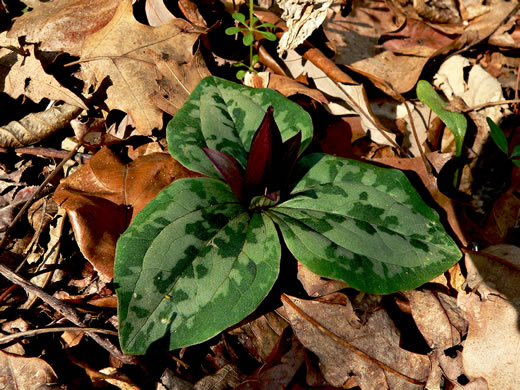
227, 377
191, 12
36, 127
120, 52
491, 348
24, 75
432, 319
280, 367
316, 286
24, 373
177, 81
369, 354
103, 195
63, 25
261, 334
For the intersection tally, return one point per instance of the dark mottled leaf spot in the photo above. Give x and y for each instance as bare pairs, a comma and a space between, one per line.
419, 245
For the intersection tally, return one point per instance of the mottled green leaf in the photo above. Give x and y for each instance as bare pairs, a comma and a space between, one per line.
191, 264
455, 121
223, 115
363, 224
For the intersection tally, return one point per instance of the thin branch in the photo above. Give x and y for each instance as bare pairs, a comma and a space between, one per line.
489, 104
34, 332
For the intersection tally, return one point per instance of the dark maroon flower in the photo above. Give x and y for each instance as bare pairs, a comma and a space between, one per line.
269, 165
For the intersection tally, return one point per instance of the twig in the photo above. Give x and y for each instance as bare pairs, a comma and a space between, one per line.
47, 152
34, 332
67, 311
489, 104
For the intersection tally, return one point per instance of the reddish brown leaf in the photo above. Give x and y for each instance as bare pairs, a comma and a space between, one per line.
102, 197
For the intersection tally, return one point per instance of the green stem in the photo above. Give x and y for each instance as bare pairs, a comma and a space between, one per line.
251, 26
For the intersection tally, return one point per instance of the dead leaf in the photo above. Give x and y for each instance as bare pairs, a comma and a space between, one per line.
432, 320
103, 196
227, 377
36, 127
316, 286
368, 353
302, 17
491, 348
280, 367
24, 75
177, 80
120, 52
63, 25
157, 13
260, 335
18, 372
191, 12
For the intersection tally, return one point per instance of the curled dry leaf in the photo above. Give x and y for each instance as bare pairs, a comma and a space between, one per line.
157, 13
302, 18
369, 355
120, 53
103, 195
36, 127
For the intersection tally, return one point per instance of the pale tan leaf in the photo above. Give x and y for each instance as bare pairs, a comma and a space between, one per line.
26, 76
119, 53
157, 13
36, 127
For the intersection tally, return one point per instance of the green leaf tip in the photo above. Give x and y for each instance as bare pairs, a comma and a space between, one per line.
455, 121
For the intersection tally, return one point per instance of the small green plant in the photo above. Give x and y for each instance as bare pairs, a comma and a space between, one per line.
455, 121
206, 251
249, 28
500, 139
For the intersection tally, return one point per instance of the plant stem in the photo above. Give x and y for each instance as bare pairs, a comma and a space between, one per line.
251, 26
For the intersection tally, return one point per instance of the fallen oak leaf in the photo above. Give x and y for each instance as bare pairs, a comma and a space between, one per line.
103, 196
120, 51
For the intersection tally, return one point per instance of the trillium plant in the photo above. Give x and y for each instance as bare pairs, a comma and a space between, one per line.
206, 251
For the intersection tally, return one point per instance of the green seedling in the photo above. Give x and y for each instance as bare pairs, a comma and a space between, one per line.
206, 251
498, 136
248, 29
455, 121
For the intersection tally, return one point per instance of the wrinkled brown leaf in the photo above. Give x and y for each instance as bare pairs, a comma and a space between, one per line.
24, 373
103, 196
120, 53
369, 353
316, 286
36, 127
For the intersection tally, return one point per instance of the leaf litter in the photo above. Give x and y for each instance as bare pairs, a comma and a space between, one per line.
458, 331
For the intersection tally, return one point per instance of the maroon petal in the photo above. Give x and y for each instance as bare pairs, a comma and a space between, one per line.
229, 168
265, 147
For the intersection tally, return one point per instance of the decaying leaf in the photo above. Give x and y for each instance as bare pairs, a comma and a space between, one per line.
302, 18
24, 75
36, 127
119, 53
63, 25
102, 197
20, 372
491, 348
367, 353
